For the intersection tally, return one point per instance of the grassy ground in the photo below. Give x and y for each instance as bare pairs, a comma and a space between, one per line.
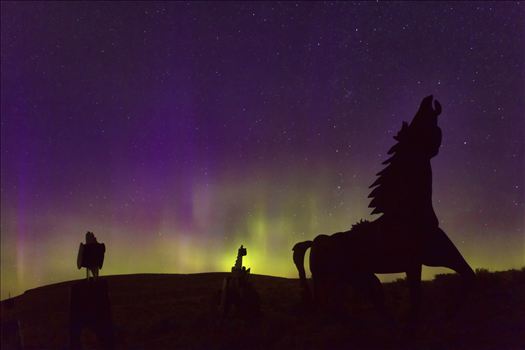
155, 311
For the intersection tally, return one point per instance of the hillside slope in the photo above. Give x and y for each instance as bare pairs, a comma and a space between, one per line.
153, 311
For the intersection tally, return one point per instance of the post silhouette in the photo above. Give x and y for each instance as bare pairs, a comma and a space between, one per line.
90, 308
11, 331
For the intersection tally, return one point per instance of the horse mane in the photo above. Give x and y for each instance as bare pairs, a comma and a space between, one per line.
390, 184
360, 225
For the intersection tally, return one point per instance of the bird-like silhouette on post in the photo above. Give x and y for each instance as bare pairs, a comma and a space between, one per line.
91, 255
405, 237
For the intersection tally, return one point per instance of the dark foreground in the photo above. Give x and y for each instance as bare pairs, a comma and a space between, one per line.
154, 311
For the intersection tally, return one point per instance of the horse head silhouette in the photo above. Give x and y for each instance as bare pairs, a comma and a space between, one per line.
424, 131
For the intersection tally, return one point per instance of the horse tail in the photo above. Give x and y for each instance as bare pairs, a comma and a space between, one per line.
299, 250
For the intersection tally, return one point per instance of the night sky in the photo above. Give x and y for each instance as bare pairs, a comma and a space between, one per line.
178, 131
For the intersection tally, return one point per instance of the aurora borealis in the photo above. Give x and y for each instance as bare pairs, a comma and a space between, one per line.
178, 131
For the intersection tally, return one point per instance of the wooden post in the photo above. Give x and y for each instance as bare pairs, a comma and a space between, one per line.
90, 308
10, 330
237, 292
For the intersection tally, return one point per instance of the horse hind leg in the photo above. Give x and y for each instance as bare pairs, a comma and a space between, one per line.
329, 298
369, 288
323, 291
374, 289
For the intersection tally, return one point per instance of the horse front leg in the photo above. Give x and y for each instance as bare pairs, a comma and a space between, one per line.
440, 251
414, 285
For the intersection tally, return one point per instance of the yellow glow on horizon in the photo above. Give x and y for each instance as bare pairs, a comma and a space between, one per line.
224, 216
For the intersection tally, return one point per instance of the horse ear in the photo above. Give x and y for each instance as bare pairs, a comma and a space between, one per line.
401, 132
426, 103
437, 107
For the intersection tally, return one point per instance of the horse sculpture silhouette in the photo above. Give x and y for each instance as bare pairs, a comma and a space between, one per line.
405, 237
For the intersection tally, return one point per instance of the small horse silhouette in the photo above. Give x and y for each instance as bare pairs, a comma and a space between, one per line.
403, 239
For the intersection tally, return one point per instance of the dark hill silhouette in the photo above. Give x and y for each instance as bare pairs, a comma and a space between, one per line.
159, 311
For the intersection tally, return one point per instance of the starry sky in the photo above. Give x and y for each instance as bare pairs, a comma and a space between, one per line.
178, 131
